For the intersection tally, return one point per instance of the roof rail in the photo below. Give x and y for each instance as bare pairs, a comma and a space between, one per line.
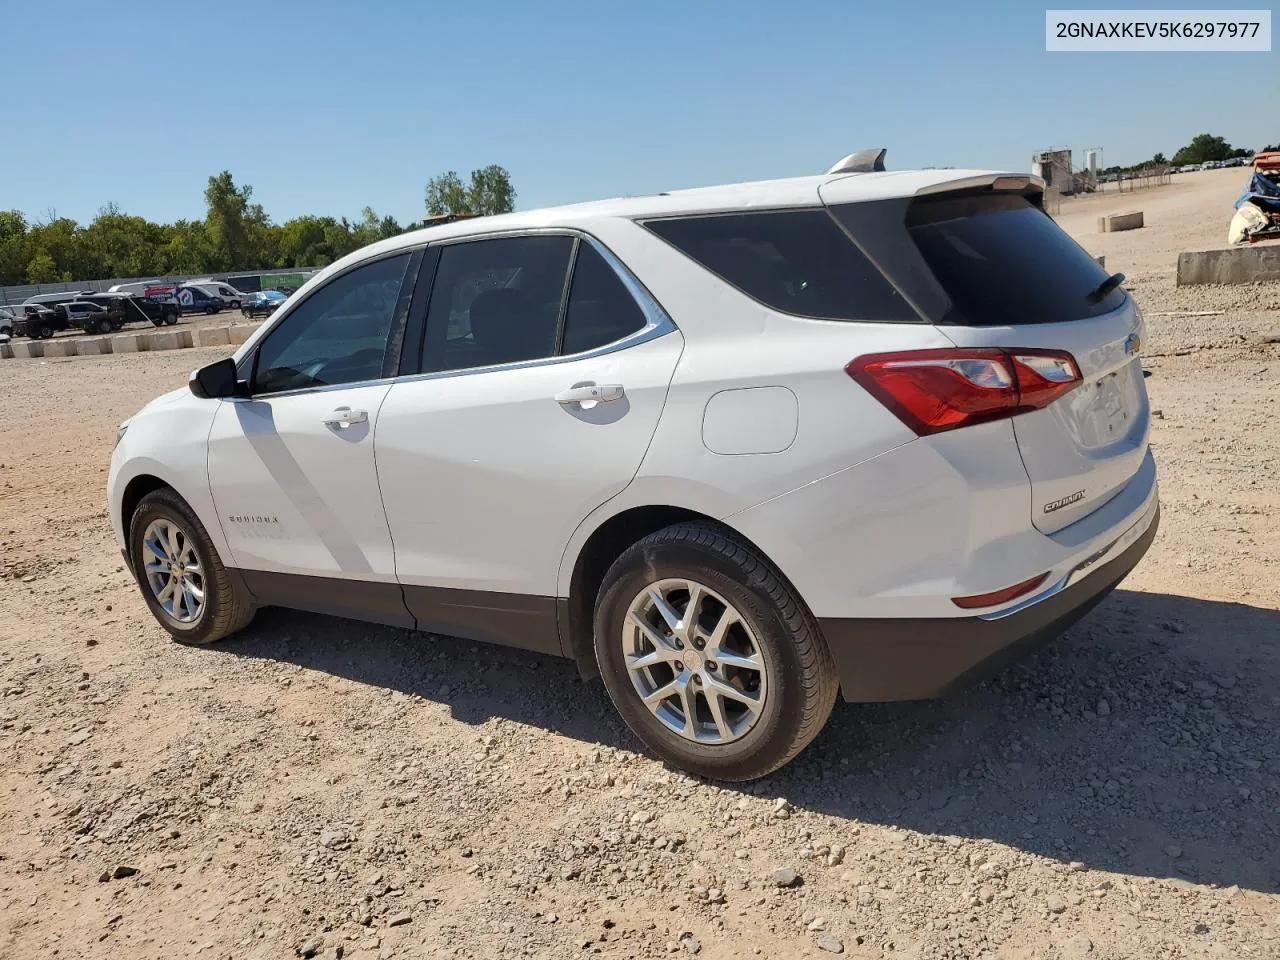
870, 160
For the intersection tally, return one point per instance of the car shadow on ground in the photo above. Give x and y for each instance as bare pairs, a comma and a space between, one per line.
1143, 742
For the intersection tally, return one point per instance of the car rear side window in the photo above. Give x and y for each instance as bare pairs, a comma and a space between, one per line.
601, 310
796, 261
1004, 262
496, 301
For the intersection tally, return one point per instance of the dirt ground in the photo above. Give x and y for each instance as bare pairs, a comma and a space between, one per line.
322, 787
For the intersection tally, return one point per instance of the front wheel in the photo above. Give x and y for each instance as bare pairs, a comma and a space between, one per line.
103, 325
170, 319
181, 576
710, 656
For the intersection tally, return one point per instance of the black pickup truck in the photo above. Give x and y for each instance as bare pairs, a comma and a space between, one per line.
110, 311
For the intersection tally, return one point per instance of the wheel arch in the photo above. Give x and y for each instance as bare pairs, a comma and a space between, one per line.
146, 475
599, 550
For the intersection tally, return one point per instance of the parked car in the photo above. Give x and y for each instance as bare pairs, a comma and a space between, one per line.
232, 297
85, 316
197, 300
704, 443
262, 304
125, 308
7, 321
31, 320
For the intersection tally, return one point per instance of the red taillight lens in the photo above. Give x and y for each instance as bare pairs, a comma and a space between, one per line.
999, 596
936, 390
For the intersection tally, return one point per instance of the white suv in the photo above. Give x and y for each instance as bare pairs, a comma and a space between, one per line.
734, 449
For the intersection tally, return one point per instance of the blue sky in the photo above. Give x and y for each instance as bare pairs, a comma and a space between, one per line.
325, 107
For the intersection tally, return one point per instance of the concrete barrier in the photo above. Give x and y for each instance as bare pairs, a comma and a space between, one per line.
162, 340
138, 342
1244, 264
92, 346
62, 347
126, 343
212, 336
1120, 221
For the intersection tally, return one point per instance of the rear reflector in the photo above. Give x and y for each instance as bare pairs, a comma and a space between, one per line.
999, 596
936, 390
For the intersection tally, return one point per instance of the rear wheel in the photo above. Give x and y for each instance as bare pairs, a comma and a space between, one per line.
710, 656
102, 325
42, 331
170, 319
182, 578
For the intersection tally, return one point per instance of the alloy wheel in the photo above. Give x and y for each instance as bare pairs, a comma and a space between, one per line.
173, 570
694, 661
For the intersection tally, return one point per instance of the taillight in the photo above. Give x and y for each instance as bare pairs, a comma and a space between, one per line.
999, 596
936, 390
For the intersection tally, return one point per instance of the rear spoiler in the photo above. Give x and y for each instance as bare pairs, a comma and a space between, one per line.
1010, 182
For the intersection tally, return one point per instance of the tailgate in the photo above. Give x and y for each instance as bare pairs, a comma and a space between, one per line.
1082, 449
981, 260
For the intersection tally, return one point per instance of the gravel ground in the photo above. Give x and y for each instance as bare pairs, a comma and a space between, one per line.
319, 787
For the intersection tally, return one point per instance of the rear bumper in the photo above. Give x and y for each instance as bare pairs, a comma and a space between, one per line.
920, 659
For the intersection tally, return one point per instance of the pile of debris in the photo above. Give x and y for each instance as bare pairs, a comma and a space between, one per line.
1258, 209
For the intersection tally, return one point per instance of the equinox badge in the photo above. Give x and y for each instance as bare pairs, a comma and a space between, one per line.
1066, 501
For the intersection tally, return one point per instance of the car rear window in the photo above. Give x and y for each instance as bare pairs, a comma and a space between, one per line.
1004, 262
796, 261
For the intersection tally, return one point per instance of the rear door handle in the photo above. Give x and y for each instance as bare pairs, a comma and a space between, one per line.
345, 417
588, 395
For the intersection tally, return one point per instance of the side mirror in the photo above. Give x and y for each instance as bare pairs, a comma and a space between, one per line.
218, 380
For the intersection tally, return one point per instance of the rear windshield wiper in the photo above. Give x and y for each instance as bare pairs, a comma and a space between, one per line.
1105, 287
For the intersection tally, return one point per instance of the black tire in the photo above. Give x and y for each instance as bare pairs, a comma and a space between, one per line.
211, 310
802, 677
170, 319
103, 325
41, 331
117, 324
228, 608
235, 304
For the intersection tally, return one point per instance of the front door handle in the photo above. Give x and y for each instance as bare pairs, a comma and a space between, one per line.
345, 417
588, 395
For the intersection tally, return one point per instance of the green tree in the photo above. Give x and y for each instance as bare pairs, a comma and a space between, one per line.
1203, 148
13, 248
42, 269
1158, 160
62, 240
490, 191
230, 221
389, 227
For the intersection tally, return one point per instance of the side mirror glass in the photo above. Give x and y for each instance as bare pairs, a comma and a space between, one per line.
218, 380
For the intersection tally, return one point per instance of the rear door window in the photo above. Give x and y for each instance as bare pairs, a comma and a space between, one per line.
601, 310
496, 301
795, 261
1004, 262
